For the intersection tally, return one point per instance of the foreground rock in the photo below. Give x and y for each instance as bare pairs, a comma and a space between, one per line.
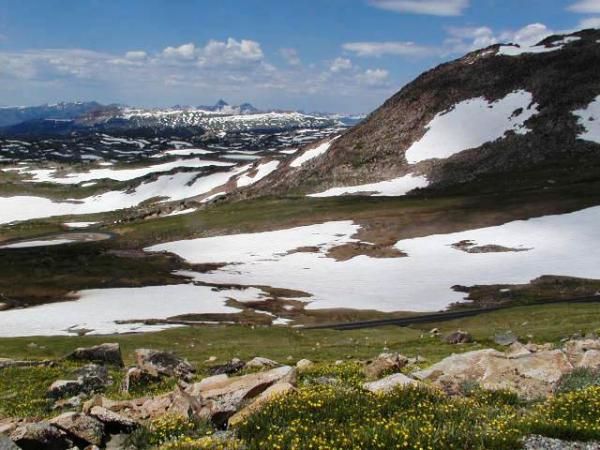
269, 394
6, 443
389, 383
384, 364
82, 428
532, 375
101, 354
90, 379
458, 337
156, 362
40, 436
544, 443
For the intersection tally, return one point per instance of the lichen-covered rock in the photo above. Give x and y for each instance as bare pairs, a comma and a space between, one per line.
114, 422
261, 363
102, 354
230, 368
82, 427
385, 363
389, 383
157, 362
458, 337
304, 364
270, 393
40, 436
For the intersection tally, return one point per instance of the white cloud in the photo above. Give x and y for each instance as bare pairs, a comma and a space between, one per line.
185, 51
463, 40
374, 77
586, 6
388, 48
231, 52
340, 64
291, 56
590, 22
136, 55
430, 7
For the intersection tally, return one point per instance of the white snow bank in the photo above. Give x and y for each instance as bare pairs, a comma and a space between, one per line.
560, 245
79, 224
396, 187
39, 243
98, 309
178, 186
589, 118
312, 153
517, 50
472, 123
262, 170
49, 175
183, 152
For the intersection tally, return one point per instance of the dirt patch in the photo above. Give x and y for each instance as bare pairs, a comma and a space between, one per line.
547, 287
472, 247
307, 249
348, 251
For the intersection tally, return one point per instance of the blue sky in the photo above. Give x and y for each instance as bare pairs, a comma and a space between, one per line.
333, 55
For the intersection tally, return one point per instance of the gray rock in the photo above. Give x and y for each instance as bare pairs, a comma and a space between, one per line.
114, 422
6, 443
40, 436
102, 354
387, 384
505, 339
84, 428
261, 363
385, 363
157, 362
459, 337
544, 443
64, 388
232, 367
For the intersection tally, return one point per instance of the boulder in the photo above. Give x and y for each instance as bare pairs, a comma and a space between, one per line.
577, 348
261, 363
157, 362
221, 400
232, 367
90, 378
115, 423
505, 339
385, 363
531, 375
516, 350
64, 388
40, 436
458, 337
590, 360
304, 364
389, 383
138, 377
6, 443
82, 427
102, 354
260, 401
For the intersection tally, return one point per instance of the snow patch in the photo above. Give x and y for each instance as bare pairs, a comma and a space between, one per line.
262, 170
472, 123
396, 187
589, 119
312, 153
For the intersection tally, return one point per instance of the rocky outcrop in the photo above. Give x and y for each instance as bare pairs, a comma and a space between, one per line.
256, 405
389, 383
532, 375
161, 363
458, 337
101, 354
385, 363
91, 378
40, 436
80, 427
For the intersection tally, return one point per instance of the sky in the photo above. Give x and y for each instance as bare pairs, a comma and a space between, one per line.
313, 55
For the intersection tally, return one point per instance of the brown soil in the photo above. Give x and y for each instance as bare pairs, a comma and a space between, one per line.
348, 251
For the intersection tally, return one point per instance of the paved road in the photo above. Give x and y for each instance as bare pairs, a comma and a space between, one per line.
446, 315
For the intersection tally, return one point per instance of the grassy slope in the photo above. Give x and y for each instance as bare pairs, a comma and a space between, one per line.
538, 323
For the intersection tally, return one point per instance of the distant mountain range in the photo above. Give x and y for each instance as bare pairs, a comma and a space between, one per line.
83, 117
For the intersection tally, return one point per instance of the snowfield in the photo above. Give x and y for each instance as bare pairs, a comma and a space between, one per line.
98, 309
472, 123
178, 186
312, 153
49, 175
589, 119
262, 170
420, 282
516, 50
396, 187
